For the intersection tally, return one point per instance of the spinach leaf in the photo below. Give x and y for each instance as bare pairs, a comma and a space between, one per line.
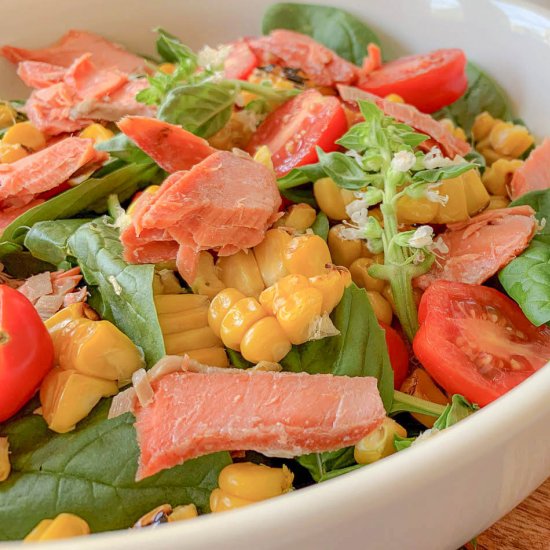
203, 109
300, 194
22, 265
483, 94
122, 147
539, 201
335, 28
126, 288
458, 409
90, 472
320, 225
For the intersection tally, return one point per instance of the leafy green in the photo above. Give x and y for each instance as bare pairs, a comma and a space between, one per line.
403, 402
126, 288
483, 94
401, 443
454, 412
171, 49
298, 176
539, 201
22, 264
335, 28
90, 472
320, 225
122, 147
237, 360
343, 169
438, 174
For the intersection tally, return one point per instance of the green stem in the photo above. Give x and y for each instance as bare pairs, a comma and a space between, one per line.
403, 402
403, 297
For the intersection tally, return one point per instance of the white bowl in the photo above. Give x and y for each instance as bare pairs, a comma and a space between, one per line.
437, 495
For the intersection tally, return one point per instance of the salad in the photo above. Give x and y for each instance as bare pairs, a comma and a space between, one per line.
231, 273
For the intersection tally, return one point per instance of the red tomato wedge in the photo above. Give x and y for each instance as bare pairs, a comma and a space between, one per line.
399, 355
428, 81
475, 341
240, 62
294, 130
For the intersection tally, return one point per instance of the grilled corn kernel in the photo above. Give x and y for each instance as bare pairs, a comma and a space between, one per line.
332, 200
410, 210
379, 443
241, 271
482, 126
215, 356
255, 482
497, 202
297, 312
67, 396
172, 323
275, 294
510, 139
207, 280
394, 98
167, 68
477, 198
331, 285
220, 501
265, 340
307, 255
220, 305
64, 526
7, 115
5, 466
238, 320
263, 156
343, 251
270, 255
11, 153
499, 175
359, 271
25, 134
185, 511
299, 216
381, 307
177, 303
190, 340
419, 384
97, 132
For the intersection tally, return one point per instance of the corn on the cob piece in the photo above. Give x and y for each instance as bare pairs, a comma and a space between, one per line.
241, 271
270, 253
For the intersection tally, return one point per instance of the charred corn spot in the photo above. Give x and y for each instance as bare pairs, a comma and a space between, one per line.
64, 526
456, 131
280, 78
25, 134
7, 115
359, 271
263, 156
419, 384
215, 357
270, 255
498, 201
343, 251
394, 98
299, 217
331, 199
241, 271
207, 282
97, 132
331, 286
498, 176
151, 190
307, 255
265, 340
379, 443
167, 68
220, 305
183, 512
381, 307
220, 501
11, 153
483, 124
238, 320
190, 340
5, 466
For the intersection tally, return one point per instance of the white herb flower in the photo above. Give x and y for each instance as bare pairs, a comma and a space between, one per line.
355, 156
435, 159
213, 58
439, 245
403, 161
422, 237
352, 233
433, 195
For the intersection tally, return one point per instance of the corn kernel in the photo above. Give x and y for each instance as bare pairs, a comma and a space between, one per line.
183, 512
482, 126
394, 98
190, 340
11, 153
307, 255
286, 286
215, 356
97, 132
7, 115
379, 443
166, 282
297, 311
172, 323
238, 320
64, 526
299, 217
25, 134
241, 271
154, 517
177, 303
220, 305
332, 200
167, 68
477, 198
381, 307
269, 255
5, 466
332, 286
343, 251
411, 210
509, 139
499, 175
359, 271
263, 156
456, 209
220, 501
497, 201
207, 282
265, 340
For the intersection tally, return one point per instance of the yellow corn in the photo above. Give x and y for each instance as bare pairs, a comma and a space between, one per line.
167, 68
215, 356
190, 340
263, 156
477, 198
265, 340
5, 466
411, 210
150, 190
97, 132
172, 323
270, 254
419, 384
510, 139
482, 126
220, 501
177, 303
241, 271
381, 307
394, 98
207, 281
379, 443
345, 251
331, 286
220, 305
238, 320
185, 511
497, 201
25, 134
360, 275
286, 285
332, 200
64, 526
299, 217
154, 517
499, 175
11, 153
7, 115
456, 131
307, 255
166, 282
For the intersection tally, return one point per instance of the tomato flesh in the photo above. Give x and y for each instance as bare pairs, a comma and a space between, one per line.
294, 130
475, 341
26, 351
399, 355
427, 81
240, 62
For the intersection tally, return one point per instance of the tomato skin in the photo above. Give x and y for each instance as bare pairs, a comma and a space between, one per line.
399, 355
475, 341
428, 81
26, 351
240, 62
294, 129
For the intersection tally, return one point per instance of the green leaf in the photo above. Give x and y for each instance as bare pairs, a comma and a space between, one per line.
457, 410
302, 194
126, 288
172, 50
237, 360
202, 109
90, 472
321, 226
401, 443
343, 169
341, 471
438, 174
122, 147
22, 265
298, 176
356, 138
475, 157
539, 201
335, 28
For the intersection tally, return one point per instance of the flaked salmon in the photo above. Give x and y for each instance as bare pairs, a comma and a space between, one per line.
72, 45
37, 74
478, 248
170, 146
534, 175
275, 413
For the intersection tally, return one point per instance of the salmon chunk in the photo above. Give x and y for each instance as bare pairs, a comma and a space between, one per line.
478, 248
275, 413
534, 175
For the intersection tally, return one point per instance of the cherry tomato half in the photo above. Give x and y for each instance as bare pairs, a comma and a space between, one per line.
428, 81
475, 341
26, 351
399, 355
298, 126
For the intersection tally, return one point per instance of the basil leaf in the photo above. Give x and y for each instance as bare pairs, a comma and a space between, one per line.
90, 472
172, 50
298, 176
122, 147
335, 28
321, 226
126, 288
457, 410
356, 138
438, 174
343, 169
202, 109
